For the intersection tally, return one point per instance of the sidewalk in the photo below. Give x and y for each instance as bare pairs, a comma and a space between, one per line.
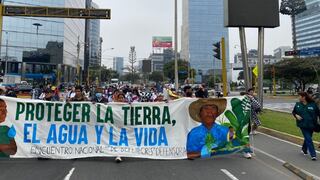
286, 151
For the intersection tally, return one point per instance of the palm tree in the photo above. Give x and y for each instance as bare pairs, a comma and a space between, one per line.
293, 8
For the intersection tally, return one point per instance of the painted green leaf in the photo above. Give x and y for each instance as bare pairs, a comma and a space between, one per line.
233, 119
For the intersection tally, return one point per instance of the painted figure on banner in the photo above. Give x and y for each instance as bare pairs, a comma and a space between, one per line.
211, 138
7, 143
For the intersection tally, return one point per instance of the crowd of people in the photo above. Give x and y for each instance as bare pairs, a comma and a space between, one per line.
116, 93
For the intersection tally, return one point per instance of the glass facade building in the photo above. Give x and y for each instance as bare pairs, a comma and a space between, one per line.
94, 40
43, 43
203, 25
118, 65
308, 26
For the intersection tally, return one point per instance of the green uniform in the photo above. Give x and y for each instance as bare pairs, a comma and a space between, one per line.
308, 112
4, 139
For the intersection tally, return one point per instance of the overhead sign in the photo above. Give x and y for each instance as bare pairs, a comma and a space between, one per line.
310, 52
56, 12
251, 13
163, 130
162, 41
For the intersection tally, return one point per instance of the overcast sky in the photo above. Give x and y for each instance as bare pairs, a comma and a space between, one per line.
134, 22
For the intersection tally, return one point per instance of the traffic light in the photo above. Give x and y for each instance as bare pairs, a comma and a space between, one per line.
292, 53
216, 50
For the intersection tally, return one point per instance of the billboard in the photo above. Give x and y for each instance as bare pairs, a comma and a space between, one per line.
251, 13
162, 42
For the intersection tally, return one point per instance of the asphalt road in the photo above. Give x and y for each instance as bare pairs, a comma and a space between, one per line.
279, 104
267, 163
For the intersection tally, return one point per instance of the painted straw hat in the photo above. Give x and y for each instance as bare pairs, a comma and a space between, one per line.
194, 108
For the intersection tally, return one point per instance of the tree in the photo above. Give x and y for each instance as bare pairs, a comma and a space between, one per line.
209, 80
129, 77
293, 8
168, 70
299, 71
156, 76
108, 74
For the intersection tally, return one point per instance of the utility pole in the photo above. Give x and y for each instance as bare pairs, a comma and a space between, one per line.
247, 82
6, 58
260, 64
176, 75
78, 61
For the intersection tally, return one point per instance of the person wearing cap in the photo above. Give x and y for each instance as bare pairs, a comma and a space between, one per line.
7, 143
209, 135
55, 94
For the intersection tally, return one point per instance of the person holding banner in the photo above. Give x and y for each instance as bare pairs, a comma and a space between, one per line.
98, 97
209, 138
120, 98
79, 96
7, 143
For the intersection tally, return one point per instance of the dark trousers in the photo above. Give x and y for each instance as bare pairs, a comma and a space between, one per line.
308, 143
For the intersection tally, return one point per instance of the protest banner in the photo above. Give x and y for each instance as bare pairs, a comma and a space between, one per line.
174, 130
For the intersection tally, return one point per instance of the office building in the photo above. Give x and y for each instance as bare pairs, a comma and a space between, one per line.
279, 53
93, 39
203, 25
35, 46
118, 65
237, 66
308, 26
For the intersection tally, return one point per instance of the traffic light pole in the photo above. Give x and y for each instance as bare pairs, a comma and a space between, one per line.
1, 22
224, 67
247, 83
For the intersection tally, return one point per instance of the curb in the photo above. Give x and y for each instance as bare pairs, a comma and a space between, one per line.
298, 171
296, 140
276, 110
285, 136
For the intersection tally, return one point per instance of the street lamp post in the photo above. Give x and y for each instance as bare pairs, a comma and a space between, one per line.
37, 25
176, 45
6, 58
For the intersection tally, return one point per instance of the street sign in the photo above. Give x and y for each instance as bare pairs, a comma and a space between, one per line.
291, 53
56, 12
310, 52
183, 72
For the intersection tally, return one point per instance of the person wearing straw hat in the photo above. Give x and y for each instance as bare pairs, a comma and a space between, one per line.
7, 143
209, 135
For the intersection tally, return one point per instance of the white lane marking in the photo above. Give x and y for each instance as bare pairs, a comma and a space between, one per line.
282, 162
283, 140
272, 156
231, 176
68, 176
